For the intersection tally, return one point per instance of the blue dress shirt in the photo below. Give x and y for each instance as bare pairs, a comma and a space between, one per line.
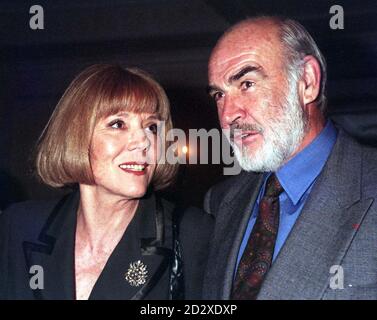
297, 177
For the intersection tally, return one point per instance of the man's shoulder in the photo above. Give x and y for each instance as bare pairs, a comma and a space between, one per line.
228, 189
167, 205
195, 219
360, 159
369, 156
195, 235
195, 231
227, 185
369, 171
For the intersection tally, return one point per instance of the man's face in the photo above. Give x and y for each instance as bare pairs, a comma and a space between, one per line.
255, 98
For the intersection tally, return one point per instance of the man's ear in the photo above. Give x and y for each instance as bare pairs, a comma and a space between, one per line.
310, 82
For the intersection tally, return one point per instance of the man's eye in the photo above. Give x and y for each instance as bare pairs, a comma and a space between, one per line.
217, 95
247, 84
152, 128
117, 124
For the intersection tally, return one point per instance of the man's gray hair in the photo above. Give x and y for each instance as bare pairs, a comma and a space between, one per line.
298, 44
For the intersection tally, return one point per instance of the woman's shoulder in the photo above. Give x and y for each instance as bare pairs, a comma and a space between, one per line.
26, 217
25, 208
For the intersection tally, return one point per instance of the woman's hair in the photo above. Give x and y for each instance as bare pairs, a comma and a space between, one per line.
99, 91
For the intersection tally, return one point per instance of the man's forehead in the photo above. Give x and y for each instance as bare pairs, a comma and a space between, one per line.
247, 37
264, 27
230, 64
243, 43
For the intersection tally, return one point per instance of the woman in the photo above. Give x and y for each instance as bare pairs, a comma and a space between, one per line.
112, 238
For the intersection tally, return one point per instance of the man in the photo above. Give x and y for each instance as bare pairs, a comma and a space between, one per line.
300, 221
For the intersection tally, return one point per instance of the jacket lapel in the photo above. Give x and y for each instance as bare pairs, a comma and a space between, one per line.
324, 230
231, 222
144, 241
54, 251
142, 249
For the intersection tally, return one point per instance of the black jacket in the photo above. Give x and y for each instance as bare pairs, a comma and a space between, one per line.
43, 234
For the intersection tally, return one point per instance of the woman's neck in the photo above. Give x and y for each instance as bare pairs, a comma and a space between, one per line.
101, 215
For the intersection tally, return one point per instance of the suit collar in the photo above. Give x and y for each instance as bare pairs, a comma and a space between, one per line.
298, 174
343, 171
324, 230
319, 239
144, 240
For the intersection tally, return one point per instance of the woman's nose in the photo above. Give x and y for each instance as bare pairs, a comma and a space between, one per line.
138, 140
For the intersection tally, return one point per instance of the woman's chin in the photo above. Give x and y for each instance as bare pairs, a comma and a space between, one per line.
134, 193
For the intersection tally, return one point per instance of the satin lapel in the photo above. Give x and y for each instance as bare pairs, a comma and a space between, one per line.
144, 241
231, 221
54, 251
157, 250
324, 230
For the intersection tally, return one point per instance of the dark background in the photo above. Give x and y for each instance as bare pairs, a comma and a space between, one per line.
172, 40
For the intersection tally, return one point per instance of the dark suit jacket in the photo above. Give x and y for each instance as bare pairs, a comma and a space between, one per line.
337, 227
43, 233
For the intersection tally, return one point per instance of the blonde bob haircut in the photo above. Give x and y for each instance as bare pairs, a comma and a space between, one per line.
99, 91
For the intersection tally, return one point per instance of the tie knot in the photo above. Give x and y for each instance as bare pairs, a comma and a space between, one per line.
273, 186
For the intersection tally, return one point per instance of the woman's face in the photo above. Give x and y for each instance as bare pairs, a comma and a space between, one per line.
124, 152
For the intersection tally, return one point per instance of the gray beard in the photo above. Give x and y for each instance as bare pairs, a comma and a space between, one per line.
281, 139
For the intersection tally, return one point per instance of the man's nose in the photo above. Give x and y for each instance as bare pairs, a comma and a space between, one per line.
138, 140
233, 109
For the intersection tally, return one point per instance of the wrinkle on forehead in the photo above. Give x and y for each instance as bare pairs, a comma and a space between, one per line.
259, 39
247, 37
266, 28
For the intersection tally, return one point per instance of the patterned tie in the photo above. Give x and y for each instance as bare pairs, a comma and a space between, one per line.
257, 257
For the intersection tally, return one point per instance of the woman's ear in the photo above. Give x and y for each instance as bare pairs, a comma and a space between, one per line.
310, 80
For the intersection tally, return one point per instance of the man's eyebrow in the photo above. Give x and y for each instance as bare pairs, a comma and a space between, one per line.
245, 71
237, 76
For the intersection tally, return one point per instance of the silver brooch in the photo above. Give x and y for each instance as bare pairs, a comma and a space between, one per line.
136, 274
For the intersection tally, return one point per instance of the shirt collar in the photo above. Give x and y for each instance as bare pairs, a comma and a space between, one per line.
298, 174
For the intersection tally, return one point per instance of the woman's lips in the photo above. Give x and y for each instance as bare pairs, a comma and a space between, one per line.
135, 168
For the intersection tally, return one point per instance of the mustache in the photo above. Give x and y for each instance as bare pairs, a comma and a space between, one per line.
239, 127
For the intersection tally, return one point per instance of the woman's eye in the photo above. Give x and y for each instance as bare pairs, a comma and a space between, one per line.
117, 124
247, 84
152, 128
